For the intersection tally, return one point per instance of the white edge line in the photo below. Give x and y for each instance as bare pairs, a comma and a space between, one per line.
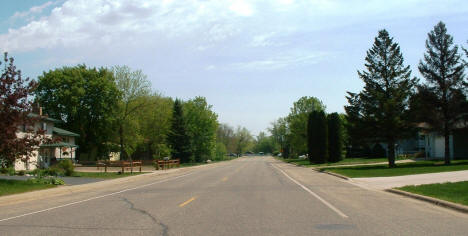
312, 193
93, 198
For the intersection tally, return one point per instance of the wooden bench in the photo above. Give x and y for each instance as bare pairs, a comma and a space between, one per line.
166, 164
129, 165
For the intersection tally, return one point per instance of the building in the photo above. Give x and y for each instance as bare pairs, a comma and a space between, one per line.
48, 154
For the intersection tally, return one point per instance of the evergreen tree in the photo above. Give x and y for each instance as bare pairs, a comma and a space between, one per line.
317, 137
382, 105
178, 138
444, 90
335, 137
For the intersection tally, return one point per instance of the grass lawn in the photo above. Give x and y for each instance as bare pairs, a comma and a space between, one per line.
8, 186
453, 192
347, 161
420, 167
105, 175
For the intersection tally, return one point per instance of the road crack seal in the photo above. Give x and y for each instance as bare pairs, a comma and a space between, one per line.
164, 227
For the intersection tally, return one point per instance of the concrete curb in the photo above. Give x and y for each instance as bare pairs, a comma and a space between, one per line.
435, 201
334, 174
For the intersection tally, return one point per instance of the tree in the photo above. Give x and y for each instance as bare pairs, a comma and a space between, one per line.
133, 85
225, 134
279, 132
202, 124
15, 110
243, 140
264, 143
443, 70
297, 122
86, 100
381, 108
155, 125
335, 137
317, 136
178, 138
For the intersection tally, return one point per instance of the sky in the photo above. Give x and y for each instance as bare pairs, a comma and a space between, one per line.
251, 59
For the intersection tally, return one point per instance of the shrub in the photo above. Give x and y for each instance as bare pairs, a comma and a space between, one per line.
335, 137
67, 167
317, 137
47, 180
21, 172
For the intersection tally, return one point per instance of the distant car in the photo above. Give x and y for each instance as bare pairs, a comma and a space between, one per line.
302, 157
261, 153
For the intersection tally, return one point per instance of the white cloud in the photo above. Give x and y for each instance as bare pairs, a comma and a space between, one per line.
32, 12
242, 8
284, 61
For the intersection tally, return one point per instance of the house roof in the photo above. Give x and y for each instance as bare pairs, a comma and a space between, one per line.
59, 144
46, 118
63, 132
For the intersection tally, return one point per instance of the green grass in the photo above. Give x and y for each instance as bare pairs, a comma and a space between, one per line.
453, 192
105, 175
8, 186
420, 167
347, 161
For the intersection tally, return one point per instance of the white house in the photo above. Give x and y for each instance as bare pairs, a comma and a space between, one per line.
48, 154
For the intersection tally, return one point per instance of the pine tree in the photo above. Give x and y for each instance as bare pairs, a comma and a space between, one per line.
444, 89
317, 137
335, 137
178, 138
382, 105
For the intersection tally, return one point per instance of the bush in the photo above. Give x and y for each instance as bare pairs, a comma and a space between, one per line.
21, 172
317, 137
67, 167
47, 180
335, 137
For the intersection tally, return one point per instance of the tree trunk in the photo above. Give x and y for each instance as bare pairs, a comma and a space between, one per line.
121, 137
391, 154
447, 144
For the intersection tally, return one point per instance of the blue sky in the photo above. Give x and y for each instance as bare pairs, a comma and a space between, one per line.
250, 59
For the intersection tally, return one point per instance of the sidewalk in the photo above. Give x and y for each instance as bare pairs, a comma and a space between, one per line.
382, 183
364, 164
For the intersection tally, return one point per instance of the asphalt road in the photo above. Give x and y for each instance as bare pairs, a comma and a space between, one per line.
247, 196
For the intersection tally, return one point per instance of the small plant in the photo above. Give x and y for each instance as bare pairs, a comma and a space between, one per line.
11, 171
21, 172
47, 180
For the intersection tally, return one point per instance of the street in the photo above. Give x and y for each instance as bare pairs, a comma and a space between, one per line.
246, 196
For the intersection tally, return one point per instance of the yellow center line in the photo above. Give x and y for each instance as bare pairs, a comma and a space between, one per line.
186, 202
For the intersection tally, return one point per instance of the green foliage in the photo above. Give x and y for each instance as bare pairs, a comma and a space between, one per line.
7, 170
297, 122
335, 138
265, 144
46, 180
220, 151
243, 140
21, 172
380, 110
133, 86
86, 100
202, 124
279, 132
317, 133
225, 134
178, 138
67, 167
